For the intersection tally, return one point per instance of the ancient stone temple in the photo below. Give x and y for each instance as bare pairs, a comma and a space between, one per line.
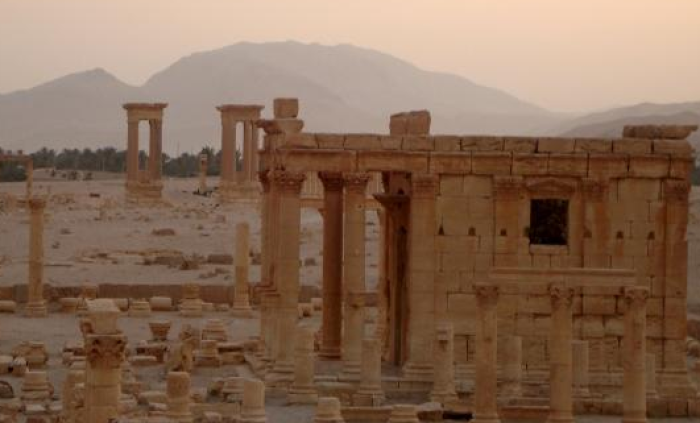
549, 240
143, 180
239, 182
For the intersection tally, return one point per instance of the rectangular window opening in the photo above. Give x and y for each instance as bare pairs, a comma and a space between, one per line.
549, 222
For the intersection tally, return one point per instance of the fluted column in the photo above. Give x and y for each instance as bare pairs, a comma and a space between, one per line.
634, 357
353, 272
485, 387
332, 290
36, 305
132, 152
286, 267
560, 365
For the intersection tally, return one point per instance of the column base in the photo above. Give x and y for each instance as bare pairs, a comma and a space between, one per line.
243, 312
444, 397
137, 192
370, 398
329, 353
36, 309
302, 396
489, 418
281, 374
350, 372
418, 371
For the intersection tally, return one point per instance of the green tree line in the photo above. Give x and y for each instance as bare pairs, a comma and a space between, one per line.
109, 159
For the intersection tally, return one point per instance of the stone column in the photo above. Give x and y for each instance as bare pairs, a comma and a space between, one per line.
332, 264
178, 390
443, 374
266, 251
560, 366
303, 390
634, 403
241, 302
228, 150
104, 348
286, 268
512, 366
247, 152
36, 305
253, 405
370, 392
421, 277
485, 387
382, 299
353, 273
580, 369
132, 152
155, 150
203, 167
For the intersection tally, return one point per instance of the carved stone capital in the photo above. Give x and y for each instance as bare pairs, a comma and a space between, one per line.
105, 351
356, 182
288, 181
486, 295
561, 295
424, 186
37, 204
332, 181
507, 187
676, 191
594, 189
636, 296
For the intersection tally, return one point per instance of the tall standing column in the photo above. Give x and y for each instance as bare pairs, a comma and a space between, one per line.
332, 264
132, 152
485, 387
353, 273
634, 358
421, 277
286, 268
36, 305
241, 302
266, 252
203, 167
560, 364
247, 152
155, 150
228, 150
104, 348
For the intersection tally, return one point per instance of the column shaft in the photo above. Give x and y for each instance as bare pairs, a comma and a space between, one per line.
132, 152
634, 359
228, 149
36, 306
247, 152
560, 364
485, 387
155, 150
353, 272
332, 264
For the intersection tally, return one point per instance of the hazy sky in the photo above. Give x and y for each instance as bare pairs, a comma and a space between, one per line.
567, 55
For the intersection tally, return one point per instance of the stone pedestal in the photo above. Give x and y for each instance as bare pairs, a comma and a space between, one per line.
36, 388
444, 369
580, 370
215, 330
253, 406
332, 264
241, 301
560, 365
634, 358
303, 390
328, 411
140, 308
208, 354
485, 384
191, 304
178, 390
512, 366
353, 273
370, 392
36, 305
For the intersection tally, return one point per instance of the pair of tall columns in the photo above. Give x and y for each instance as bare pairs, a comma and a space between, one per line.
229, 173
150, 179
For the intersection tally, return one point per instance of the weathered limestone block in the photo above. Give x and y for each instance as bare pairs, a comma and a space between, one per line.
178, 391
480, 143
253, 405
303, 390
404, 413
285, 108
328, 411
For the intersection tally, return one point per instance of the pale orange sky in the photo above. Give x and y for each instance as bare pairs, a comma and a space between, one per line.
565, 55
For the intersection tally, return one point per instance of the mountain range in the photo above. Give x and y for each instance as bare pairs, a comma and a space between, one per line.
341, 89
